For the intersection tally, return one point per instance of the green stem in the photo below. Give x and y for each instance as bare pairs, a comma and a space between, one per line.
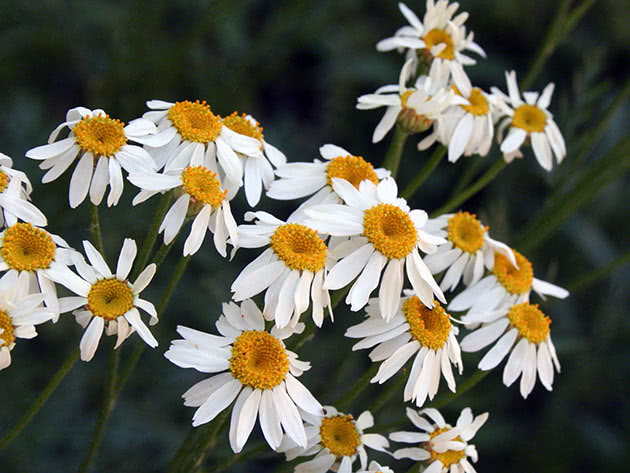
262, 447
424, 173
392, 157
41, 399
586, 280
162, 252
415, 468
468, 174
394, 386
359, 386
95, 230
446, 398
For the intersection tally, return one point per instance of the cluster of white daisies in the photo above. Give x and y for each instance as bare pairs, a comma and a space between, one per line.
353, 231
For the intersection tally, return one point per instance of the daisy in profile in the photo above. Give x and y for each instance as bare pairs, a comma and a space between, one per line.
14, 195
257, 166
188, 128
415, 330
386, 235
105, 300
529, 120
291, 270
299, 180
468, 249
199, 193
100, 144
524, 329
336, 440
19, 313
444, 447
252, 366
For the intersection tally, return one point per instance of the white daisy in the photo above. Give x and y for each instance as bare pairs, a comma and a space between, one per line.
14, 195
336, 440
100, 143
200, 193
375, 467
386, 234
19, 313
447, 448
291, 270
252, 362
468, 249
106, 300
299, 180
529, 119
527, 326
188, 128
414, 330
257, 169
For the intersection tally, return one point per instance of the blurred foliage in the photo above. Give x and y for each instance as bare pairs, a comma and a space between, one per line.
298, 66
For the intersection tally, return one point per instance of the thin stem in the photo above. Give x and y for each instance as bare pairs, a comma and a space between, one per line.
468, 384
162, 252
586, 280
95, 229
61, 373
394, 386
392, 157
359, 386
262, 447
425, 172
467, 176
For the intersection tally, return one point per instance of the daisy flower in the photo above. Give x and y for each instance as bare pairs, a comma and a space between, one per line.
444, 446
188, 128
100, 143
527, 326
468, 249
291, 269
299, 180
200, 193
106, 300
336, 440
385, 234
414, 330
529, 119
255, 368
14, 194
257, 169
376, 467
19, 313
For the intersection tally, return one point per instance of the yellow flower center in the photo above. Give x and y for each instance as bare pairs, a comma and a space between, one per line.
478, 103
259, 360
448, 457
515, 281
530, 118
27, 248
100, 135
530, 322
340, 435
429, 326
466, 232
203, 185
390, 230
437, 36
242, 125
405, 96
110, 298
299, 247
4, 180
353, 169
6, 324
194, 121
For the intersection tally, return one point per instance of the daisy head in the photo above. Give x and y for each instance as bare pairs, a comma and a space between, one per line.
336, 440
414, 330
101, 145
385, 234
253, 367
444, 447
19, 313
105, 300
525, 330
15, 189
528, 120
291, 270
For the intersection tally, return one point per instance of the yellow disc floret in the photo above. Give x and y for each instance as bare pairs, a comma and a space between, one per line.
466, 232
27, 248
530, 322
514, 280
110, 298
340, 435
100, 135
530, 118
390, 230
194, 121
6, 324
203, 185
240, 124
299, 247
4, 180
430, 327
448, 457
437, 36
259, 360
478, 103
353, 169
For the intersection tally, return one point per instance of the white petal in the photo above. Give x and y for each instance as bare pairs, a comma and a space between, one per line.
91, 337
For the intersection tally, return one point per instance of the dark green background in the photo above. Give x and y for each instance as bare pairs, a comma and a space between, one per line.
298, 66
